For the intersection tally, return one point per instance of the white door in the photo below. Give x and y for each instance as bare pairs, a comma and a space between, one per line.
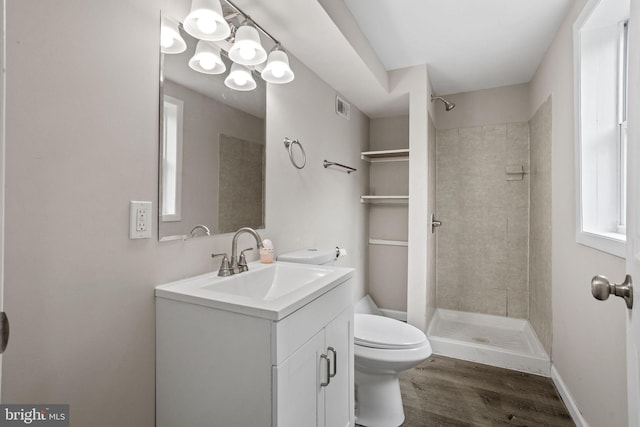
601, 287
633, 216
2, 160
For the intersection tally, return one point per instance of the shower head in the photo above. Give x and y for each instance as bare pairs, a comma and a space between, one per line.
448, 105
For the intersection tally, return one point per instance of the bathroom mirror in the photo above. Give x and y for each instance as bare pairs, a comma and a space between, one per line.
212, 151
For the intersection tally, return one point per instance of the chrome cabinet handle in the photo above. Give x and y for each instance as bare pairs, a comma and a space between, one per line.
4, 331
328, 365
601, 288
335, 361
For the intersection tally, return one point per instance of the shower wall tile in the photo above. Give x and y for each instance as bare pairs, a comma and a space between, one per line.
517, 192
447, 169
517, 305
495, 302
448, 298
517, 272
517, 221
482, 247
540, 314
494, 267
472, 300
518, 147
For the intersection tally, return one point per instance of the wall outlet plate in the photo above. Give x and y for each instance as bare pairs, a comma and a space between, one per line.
139, 220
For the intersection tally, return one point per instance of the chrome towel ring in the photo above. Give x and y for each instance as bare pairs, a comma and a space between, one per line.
288, 143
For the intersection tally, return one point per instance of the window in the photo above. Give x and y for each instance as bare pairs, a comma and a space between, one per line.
600, 44
171, 192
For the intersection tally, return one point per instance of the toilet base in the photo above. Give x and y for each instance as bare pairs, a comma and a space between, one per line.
378, 400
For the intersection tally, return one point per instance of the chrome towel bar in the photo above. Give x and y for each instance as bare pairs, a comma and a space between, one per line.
349, 169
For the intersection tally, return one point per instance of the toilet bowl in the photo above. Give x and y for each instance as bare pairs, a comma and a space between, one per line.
383, 347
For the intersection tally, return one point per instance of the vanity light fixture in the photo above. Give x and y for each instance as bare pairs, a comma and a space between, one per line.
170, 39
207, 59
277, 69
246, 49
206, 22
240, 78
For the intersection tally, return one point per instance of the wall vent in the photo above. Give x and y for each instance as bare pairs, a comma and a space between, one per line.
343, 108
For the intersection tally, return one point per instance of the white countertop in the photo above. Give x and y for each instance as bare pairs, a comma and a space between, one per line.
271, 291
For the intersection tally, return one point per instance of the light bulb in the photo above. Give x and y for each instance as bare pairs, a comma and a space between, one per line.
240, 79
166, 39
278, 70
206, 24
247, 53
207, 62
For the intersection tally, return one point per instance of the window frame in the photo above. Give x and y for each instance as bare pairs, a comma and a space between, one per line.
614, 241
176, 215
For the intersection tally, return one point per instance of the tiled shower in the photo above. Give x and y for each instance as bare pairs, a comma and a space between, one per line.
493, 196
482, 261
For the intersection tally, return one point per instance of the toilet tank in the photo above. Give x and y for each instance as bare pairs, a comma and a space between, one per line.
310, 256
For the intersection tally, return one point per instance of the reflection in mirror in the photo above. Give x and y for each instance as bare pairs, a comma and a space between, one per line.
212, 148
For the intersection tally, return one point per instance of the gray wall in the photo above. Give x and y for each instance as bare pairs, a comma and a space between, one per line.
540, 314
508, 104
482, 258
587, 334
82, 141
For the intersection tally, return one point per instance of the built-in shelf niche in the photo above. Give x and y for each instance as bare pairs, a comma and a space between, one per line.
385, 242
385, 155
385, 199
401, 154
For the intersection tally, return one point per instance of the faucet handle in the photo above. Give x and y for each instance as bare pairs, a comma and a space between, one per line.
242, 262
225, 269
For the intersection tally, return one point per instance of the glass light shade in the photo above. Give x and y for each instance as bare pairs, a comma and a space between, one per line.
277, 69
246, 49
207, 59
170, 39
240, 78
206, 22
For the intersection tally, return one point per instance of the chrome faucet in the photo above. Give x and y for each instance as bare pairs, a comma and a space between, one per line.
234, 247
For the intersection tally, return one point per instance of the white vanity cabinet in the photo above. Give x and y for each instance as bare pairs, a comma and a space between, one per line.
216, 367
313, 386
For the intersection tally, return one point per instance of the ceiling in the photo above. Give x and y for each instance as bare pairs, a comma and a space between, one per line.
468, 44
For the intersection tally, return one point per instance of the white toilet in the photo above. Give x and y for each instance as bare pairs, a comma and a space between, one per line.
383, 347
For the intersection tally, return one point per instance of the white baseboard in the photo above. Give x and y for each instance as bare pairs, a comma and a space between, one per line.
567, 398
395, 314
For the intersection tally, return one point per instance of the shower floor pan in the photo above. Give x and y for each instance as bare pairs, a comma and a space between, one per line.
492, 340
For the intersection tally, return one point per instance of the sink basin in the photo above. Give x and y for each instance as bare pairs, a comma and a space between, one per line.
267, 290
269, 283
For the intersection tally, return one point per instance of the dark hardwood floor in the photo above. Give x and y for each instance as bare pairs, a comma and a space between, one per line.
449, 392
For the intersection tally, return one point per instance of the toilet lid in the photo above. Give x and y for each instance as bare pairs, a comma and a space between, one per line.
382, 332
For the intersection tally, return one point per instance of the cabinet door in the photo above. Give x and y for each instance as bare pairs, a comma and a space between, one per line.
338, 398
296, 386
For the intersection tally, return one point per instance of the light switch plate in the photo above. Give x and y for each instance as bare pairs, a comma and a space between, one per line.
140, 220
